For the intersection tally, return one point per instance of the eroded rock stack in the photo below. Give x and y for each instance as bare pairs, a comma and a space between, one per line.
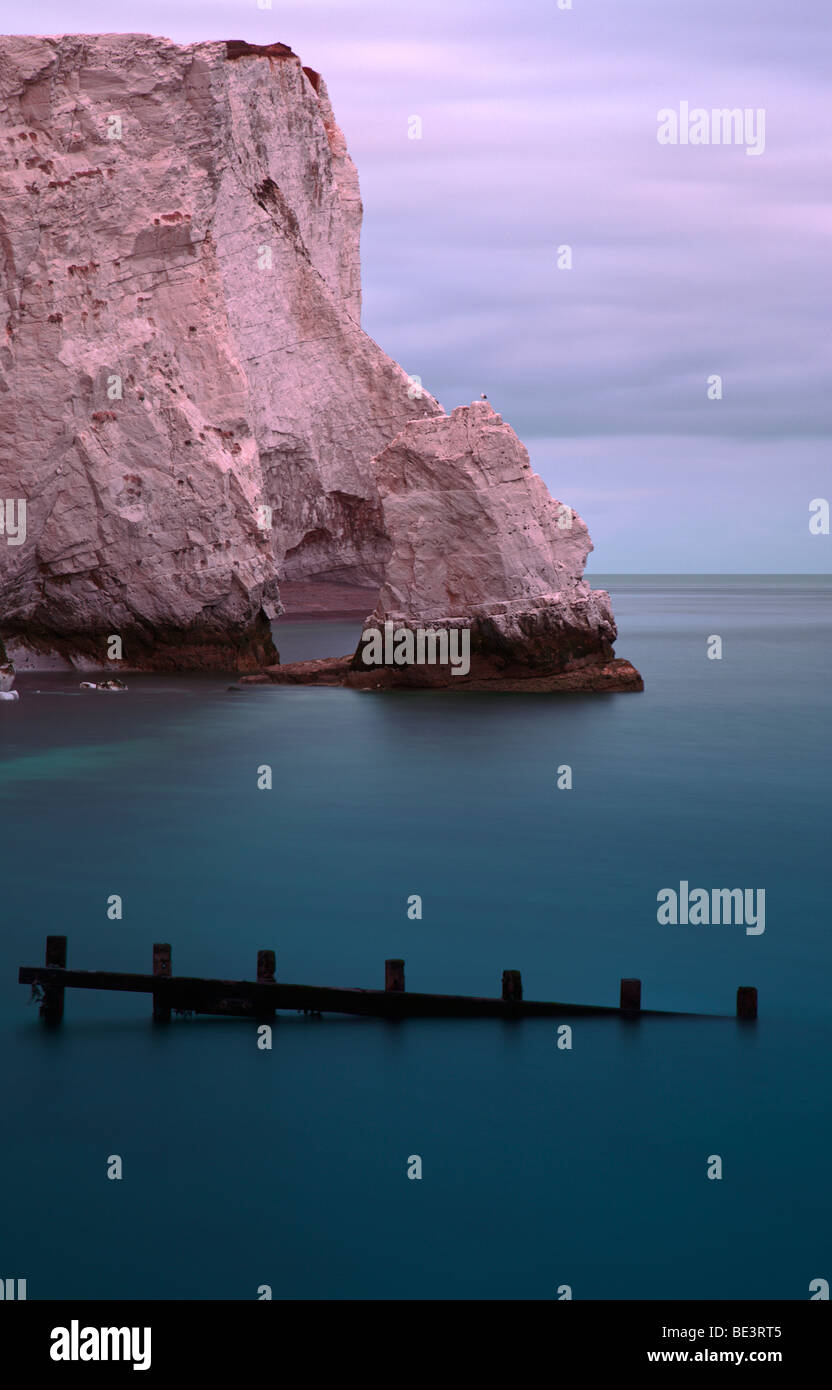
484, 585
478, 544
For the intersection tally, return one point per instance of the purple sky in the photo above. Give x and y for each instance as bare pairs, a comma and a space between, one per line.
539, 129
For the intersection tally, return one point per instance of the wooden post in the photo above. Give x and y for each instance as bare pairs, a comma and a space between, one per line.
265, 967
52, 1004
630, 996
394, 975
161, 966
265, 976
512, 986
747, 1002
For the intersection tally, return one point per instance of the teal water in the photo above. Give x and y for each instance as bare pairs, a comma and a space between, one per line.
541, 1167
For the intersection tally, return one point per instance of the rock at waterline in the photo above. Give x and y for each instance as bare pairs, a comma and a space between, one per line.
6, 677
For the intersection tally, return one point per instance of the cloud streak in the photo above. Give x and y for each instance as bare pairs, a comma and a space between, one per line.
539, 130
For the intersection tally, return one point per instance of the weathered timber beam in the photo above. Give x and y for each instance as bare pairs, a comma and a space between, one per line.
200, 995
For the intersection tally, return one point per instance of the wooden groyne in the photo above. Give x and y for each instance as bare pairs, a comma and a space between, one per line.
261, 998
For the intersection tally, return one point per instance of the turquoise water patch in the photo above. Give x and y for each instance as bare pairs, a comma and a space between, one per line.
541, 1166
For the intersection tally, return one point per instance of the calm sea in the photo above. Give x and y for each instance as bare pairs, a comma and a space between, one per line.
542, 1167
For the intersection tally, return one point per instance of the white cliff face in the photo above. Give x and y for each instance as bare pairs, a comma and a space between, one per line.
477, 542
187, 401
188, 405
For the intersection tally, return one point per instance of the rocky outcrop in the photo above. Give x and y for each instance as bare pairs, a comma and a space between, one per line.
614, 676
188, 403
191, 412
6, 672
479, 546
482, 557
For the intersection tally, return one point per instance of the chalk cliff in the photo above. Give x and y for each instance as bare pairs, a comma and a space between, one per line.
187, 400
191, 411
